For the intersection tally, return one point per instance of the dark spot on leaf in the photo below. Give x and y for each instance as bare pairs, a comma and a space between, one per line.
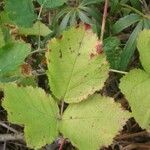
80, 43
79, 54
60, 53
70, 48
70, 117
68, 39
92, 55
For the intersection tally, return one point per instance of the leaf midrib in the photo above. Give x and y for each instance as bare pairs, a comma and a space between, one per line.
73, 68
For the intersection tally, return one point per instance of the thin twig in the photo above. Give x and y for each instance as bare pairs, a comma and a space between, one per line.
11, 137
104, 21
8, 127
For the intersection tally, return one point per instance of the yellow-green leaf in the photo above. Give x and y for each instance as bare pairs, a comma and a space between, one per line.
37, 29
35, 110
76, 65
93, 123
143, 45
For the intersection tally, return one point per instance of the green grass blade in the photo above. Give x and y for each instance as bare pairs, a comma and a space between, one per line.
125, 22
130, 47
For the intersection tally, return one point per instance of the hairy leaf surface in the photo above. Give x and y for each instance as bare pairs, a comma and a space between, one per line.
76, 65
35, 110
93, 123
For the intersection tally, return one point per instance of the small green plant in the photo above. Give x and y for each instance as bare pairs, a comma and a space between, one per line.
84, 10
137, 19
135, 85
76, 70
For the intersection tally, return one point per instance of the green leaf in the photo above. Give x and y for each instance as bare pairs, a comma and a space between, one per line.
2, 41
93, 12
90, 2
135, 85
76, 66
146, 23
93, 123
143, 45
125, 22
112, 51
37, 29
51, 3
136, 4
12, 56
21, 12
130, 47
65, 21
35, 110
84, 18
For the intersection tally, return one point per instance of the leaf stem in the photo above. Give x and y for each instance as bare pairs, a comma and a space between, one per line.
62, 108
118, 71
38, 50
135, 10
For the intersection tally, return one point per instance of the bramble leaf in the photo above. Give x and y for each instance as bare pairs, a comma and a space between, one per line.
143, 45
112, 51
93, 123
35, 110
135, 85
12, 56
76, 65
37, 29
21, 12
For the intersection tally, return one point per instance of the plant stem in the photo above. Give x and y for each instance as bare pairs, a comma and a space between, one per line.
104, 20
118, 71
135, 10
38, 50
62, 108
8, 127
11, 137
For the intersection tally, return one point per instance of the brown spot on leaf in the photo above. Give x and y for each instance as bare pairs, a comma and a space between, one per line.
26, 69
87, 26
92, 55
99, 48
